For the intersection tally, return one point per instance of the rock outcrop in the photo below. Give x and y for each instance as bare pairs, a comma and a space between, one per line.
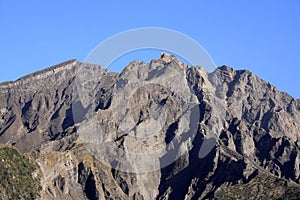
158, 130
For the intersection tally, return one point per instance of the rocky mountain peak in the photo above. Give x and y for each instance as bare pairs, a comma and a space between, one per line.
158, 130
167, 58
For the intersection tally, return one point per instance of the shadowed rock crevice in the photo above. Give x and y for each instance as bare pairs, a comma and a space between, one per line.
179, 175
30, 117
170, 133
86, 179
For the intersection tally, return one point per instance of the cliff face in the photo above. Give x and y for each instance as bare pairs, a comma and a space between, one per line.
33, 106
161, 130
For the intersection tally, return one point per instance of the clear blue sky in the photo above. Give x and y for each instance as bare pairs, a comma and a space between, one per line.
261, 36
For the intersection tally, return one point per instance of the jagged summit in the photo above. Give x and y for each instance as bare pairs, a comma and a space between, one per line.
225, 68
168, 58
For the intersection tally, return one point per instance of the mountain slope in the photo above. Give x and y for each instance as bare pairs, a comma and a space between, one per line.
161, 130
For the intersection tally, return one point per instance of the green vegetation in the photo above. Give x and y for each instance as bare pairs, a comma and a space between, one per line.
292, 193
261, 187
16, 175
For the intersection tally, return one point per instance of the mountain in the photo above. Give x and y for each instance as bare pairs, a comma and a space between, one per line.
158, 130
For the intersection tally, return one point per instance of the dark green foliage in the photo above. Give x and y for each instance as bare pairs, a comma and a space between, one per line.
261, 187
16, 175
292, 193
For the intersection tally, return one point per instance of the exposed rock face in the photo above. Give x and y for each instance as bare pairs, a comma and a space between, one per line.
161, 130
